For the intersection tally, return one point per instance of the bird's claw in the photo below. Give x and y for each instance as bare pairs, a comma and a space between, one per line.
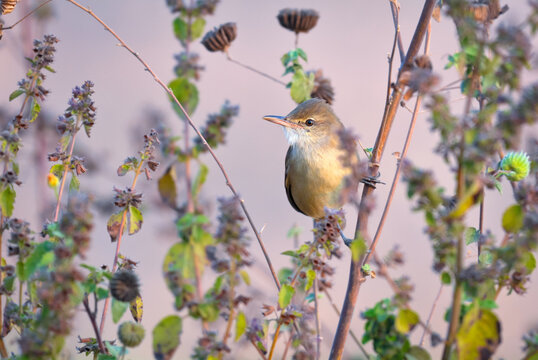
372, 180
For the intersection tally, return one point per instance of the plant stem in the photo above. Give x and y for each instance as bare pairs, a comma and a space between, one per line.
231, 299
318, 320
196, 130
395, 9
118, 244
355, 275
66, 169
288, 345
262, 355
92, 315
275, 338
434, 305
25, 16
255, 70
3, 351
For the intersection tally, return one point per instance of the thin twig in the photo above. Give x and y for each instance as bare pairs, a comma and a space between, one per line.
391, 61
353, 336
288, 345
248, 67
231, 299
25, 16
262, 355
92, 316
318, 320
355, 275
395, 9
196, 130
434, 305
275, 338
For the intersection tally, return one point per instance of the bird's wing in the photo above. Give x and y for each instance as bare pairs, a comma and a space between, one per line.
287, 182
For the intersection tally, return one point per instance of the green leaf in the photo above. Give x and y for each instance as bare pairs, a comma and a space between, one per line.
512, 220
74, 184
284, 274
15, 94
240, 325
406, 320
180, 259
417, 353
478, 334
357, 247
186, 93
285, 59
57, 170
488, 304
295, 231
7, 200
197, 28
245, 276
118, 309
446, 278
180, 29
167, 187
106, 357
310, 277
113, 225
471, 235
166, 337
135, 219
36, 109
302, 54
301, 86
41, 255
285, 295
208, 311
199, 180
529, 261
485, 258
137, 308
102, 293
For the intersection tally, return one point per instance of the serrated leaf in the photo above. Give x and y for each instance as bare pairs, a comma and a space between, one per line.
7, 200
135, 219
118, 309
512, 220
167, 186
180, 29
240, 325
471, 235
166, 337
36, 109
199, 180
285, 295
478, 334
310, 277
113, 225
15, 94
137, 308
197, 28
406, 320
186, 93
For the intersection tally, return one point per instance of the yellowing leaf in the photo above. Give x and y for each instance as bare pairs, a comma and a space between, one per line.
406, 320
240, 325
167, 186
479, 335
513, 219
166, 337
137, 308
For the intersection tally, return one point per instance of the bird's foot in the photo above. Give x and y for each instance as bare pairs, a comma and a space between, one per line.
372, 180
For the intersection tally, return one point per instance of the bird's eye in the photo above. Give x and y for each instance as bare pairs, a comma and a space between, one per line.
309, 122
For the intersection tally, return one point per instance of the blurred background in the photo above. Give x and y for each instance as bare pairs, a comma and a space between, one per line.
350, 43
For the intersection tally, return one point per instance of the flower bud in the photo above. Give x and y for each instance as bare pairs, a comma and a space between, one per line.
131, 334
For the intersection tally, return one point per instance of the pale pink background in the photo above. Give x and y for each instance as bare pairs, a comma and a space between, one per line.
350, 43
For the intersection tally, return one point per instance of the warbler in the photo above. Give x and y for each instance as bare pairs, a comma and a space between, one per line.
314, 167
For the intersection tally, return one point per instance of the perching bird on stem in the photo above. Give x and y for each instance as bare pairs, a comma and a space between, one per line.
315, 170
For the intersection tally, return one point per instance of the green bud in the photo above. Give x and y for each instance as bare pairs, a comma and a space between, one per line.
515, 165
131, 334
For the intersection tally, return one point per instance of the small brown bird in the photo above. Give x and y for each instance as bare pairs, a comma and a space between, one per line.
314, 169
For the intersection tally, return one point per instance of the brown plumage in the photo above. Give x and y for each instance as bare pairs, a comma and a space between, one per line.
314, 170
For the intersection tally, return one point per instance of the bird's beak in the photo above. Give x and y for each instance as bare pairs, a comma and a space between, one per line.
281, 120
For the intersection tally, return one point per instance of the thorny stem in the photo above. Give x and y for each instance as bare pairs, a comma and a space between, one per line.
196, 130
118, 244
255, 70
277, 331
92, 315
434, 305
66, 169
355, 275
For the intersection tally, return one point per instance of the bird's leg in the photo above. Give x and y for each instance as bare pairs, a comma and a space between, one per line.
372, 180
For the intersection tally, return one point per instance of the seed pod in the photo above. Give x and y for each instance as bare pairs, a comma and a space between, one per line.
131, 334
219, 39
124, 285
298, 20
7, 6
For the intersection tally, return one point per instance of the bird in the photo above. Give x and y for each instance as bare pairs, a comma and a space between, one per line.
315, 170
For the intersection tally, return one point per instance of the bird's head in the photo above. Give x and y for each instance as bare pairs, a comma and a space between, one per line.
311, 122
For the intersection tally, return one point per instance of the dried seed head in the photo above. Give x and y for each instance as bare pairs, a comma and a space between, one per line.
322, 87
7, 6
124, 285
219, 39
298, 20
131, 334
